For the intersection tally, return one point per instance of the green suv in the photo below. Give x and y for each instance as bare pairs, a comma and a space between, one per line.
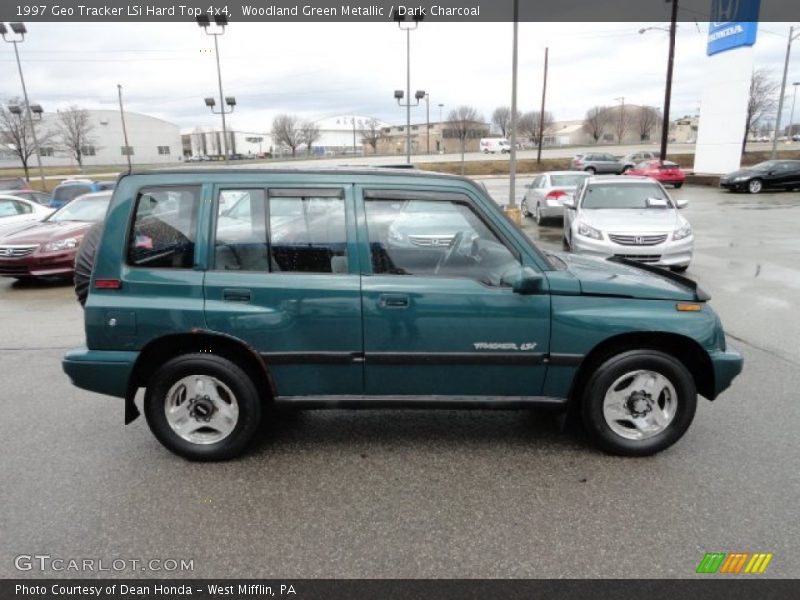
223, 293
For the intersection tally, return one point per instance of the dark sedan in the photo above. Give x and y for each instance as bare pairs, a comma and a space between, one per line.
48, 248
776, 174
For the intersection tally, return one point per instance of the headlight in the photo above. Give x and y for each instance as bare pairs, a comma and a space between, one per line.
741, 178
682, 233
58, 245
590, 232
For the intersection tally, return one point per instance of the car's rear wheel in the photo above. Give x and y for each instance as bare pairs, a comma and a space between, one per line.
84, 261
523, 206
203, 407
678, 186
537, 215
638, 403
590, 170
754, 186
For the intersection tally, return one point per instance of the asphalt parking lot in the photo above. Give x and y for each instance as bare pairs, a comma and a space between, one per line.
423, 493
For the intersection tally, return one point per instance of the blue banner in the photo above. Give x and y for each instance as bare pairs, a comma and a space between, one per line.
734, 23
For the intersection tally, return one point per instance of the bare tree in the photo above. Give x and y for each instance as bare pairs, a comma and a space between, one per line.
501, 118
286, 131
464, 123
16, 134
763, 101
622, 121
646, 119
372, 134
530, 123
309, 133
596, 121
74, 130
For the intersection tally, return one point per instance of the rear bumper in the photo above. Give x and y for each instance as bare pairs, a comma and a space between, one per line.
101, 371
727, 365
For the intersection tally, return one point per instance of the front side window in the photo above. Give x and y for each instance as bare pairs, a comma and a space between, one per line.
164, 227
436, 237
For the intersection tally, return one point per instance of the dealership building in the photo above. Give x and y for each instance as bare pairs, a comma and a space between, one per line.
151, 141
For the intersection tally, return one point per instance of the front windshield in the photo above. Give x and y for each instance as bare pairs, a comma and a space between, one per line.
567, 180
625, 196
82, 209
765, 166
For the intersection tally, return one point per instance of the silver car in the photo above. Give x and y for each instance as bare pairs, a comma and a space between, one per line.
630, 217
596, 162
544, 198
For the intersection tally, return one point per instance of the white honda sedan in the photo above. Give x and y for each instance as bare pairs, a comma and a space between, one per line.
628, 217
16, 212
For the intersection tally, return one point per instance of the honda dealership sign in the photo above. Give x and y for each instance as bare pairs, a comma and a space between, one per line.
734, 24
726, 85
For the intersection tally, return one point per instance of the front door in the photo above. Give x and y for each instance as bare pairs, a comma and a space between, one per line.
284, 278
439, 315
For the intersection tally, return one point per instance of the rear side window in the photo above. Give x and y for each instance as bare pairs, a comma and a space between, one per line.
8, 208
164, 228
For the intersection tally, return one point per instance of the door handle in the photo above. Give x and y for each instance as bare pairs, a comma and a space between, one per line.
393, 301
236, 295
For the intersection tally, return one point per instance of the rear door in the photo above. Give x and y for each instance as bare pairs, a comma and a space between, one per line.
284, 277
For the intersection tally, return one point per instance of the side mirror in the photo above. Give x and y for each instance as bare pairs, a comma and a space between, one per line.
568, 202
682, 203
657, 203
527, 282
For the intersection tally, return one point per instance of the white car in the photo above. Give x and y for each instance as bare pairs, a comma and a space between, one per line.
629, 217
492, 145
544, 197
16, 211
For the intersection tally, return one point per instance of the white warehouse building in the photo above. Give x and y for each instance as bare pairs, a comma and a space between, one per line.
152, 140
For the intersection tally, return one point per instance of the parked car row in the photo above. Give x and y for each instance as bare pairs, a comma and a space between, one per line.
631, 217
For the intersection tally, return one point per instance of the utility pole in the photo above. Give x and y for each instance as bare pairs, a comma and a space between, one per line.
512, 209
541, 115
792, 37
668, 91
124, 129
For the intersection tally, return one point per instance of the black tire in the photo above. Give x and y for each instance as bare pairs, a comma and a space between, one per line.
755, 186
84, 261
524, 207
590, 170
245, 394
679, 269
611, 371
537, 215
565, 243
678, 186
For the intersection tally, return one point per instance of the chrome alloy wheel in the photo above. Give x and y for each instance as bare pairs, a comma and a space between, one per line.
201, 409
640, 405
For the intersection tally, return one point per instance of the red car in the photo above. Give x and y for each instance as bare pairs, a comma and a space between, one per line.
47, 248
664, 172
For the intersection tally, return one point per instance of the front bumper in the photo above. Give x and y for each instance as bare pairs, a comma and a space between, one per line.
727, 365
733, 185
667, 254
51, 264
101, 371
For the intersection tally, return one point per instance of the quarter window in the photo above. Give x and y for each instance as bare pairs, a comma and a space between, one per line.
163, 233
436, 237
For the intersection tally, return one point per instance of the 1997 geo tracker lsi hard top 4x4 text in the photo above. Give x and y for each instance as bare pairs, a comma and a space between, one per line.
224, 292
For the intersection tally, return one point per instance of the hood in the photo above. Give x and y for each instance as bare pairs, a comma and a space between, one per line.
620, 277
644, 220
46, 231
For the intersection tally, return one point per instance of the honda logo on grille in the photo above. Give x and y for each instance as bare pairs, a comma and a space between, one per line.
638, 240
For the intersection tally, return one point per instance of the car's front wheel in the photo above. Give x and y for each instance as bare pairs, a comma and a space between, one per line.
638, 403
754, 186
203, 407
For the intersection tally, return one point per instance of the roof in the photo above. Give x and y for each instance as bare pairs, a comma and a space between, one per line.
627, 179
339, 170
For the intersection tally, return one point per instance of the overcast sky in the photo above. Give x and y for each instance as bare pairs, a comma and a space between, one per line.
320, 69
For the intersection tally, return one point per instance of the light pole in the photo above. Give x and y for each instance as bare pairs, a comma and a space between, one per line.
221, 21
673, 26
354, 135
791, 117
408, 27
124, 129
427, 123
20, 30
792, 36
511, 209
620, 130
230, 101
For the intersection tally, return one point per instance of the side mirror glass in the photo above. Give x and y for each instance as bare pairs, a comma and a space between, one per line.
527, 282
682, 203
656, 203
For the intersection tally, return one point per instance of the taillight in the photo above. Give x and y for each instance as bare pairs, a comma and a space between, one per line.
555, 195
107, 284
578, 162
